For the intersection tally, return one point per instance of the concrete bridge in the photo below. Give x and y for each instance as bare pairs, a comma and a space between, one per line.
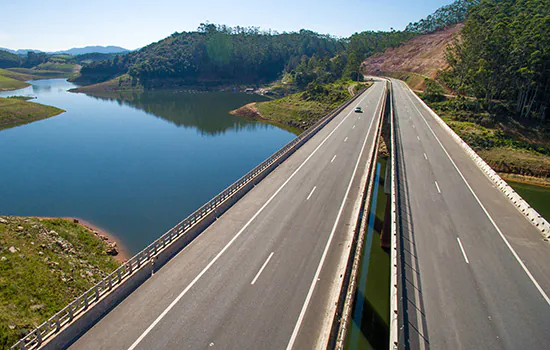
266, 263
473, 262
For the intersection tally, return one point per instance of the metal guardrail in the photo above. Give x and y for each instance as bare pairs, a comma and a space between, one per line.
52, 326
394, 270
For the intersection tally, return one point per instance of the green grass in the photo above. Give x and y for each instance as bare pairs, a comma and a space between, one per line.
16, 111
53, 261
36, 74
57, 66
303, 109
7, 83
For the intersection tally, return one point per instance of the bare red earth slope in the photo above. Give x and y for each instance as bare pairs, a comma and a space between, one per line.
423, 55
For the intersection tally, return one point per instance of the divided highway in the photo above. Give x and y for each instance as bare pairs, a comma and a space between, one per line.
477, 272
265, 274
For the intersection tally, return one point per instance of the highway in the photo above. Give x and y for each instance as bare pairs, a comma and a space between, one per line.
477, 272
265, 275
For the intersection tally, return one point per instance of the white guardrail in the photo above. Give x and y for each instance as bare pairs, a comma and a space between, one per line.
95, 294
394, 270
531, 214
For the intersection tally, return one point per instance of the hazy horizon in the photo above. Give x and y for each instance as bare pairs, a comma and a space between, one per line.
134, 24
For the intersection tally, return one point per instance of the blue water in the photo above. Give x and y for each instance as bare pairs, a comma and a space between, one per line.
134, 165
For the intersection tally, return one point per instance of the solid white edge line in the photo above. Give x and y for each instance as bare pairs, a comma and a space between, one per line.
529, 274
333, 158
178, 298
436, 185
327, 246
345, 139
261, 269
463, 251
311, 193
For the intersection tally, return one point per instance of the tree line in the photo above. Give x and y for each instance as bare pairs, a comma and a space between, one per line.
445, 16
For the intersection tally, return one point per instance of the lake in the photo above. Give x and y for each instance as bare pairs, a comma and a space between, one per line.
134, 164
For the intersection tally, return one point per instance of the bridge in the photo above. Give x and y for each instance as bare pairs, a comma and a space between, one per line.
475, 272
264, 264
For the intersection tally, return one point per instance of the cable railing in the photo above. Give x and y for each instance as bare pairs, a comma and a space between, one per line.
81, 304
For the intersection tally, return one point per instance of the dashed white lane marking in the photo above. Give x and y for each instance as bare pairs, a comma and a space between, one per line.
345, 139
261, 269
425, 156
311, 193
462, 249
333, 158
437, 186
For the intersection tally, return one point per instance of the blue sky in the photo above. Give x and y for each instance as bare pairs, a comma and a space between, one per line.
51, 25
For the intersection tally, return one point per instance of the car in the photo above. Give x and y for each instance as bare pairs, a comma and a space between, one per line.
358, 110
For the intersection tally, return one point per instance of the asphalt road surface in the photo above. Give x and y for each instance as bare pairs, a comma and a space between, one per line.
477, 272
263, 275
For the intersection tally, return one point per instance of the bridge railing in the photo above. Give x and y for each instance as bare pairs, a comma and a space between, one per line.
81, 304
397, 334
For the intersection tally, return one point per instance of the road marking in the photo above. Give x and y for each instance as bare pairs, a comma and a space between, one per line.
345, 139
353, 127
313, 190
325, 252
529, 274
463, 252
224, 249
333, 158
425, 156
261, 269
418, 138
359, 118
414, 127
436, 185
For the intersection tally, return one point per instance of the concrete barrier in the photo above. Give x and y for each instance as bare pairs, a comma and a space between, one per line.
72, 331
531, 214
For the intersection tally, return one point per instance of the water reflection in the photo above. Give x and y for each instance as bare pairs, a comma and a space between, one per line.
208, 112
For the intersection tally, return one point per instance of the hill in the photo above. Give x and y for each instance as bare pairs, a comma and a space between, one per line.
93, 49
420, 57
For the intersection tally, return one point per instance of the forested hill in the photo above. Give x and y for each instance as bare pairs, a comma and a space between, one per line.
218, 55
504, 55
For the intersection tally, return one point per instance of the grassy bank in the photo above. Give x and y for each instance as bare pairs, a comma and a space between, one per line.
7, 83
44, 265
16, 111
508, 145
302, 109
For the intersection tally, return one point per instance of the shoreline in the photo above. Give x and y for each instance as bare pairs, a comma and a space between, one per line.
123, 252
524, 179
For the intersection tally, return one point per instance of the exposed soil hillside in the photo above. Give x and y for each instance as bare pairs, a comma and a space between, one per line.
422, 56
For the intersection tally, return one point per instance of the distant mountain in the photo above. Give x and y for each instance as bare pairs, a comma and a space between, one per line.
21, 52
93, 49
74, 51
